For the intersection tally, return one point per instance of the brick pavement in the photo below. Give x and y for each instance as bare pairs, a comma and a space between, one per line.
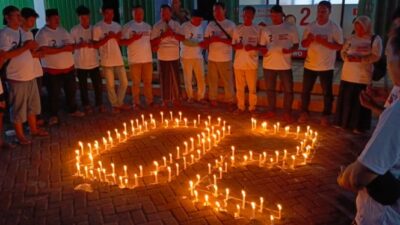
37, 182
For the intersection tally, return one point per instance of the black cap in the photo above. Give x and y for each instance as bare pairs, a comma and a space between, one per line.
28, 12
82, 10
51, 12
277, 9
7, 10
196, 13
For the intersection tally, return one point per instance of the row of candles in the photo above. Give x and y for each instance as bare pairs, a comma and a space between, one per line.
172, 164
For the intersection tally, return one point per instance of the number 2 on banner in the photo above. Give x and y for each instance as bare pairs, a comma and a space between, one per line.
306, 12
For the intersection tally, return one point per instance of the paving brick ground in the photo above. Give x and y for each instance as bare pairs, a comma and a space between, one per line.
37, 182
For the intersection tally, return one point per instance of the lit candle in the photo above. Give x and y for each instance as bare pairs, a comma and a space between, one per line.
136, 180
198, 154
137, 123
171, 115
209, 168
141, 171
209, 119
142, 119
219, 121
166, 123
186, 147
126, 183
215, 179
105, 142
78, 169
184, 162
243, 199
165, 161
170, 158
226, 167
199, 140
180, 116
121, 183
192, 158
226, 194
140, 128
284, 154
206, 203
191, 188
194, 124
156, 165
297, 150
220, 172
156, 177
169, 173
277, 126
162, 117
125, 171
277, 156
177, 169
287, 129
198, 179
191, 144
305, 158
196, 196
232, 160
209, 143
237, 213
261, 205
279, 211
293, 161
223, 131
178, 153
114, 178
204, 145
218, 206
177, 122
145, 126
229, 130
185, 120
86, 172
112, 167
297, 132
253, 208
255, 124
272, 219
198, 119
91, 160
245, 159
99, 174
264, 126
215, 191
274, 128
251, 155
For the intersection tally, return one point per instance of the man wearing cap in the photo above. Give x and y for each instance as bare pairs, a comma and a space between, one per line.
218, 37
58, 65
323, 38
179, 14
87, 60
192, 57
136, 35
280, 40
245, 42
107, 35
23, 92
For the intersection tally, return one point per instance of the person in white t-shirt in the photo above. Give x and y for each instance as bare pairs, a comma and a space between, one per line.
322, 38
136, 35
192, 57
107, 35
86, 58
245, 42
359, 53
281, 40
29, 16
23, 91
218, 39
165, 38
58, 64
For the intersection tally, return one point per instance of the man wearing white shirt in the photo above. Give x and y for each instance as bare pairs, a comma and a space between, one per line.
192, 57
136, 35
23, 91
107, 35
323, 38
165, 38
218, 36
58, 65
3, 143
87, 60
280, 40
245, 42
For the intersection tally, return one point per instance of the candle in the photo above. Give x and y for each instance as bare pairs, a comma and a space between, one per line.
114, 178
198, 118
142, 119
169, 173
191, 144
125, 171
186, 147
194, 124
86, 172
166, 123
251, 155
279, 211
287, 129
237, 213
215, 191
253, 208
178, 153
180, 116
198, 154
177, 169
297, 132
277, 126
136, 180
191, 188
255, 124
121, 185
112, 167
223, 131
162, 117
220, 172
196, 196
215, 179
293, 161
264, 126
156, 165
141, 171
229, 130
209, 143
165, 161
245, 159
226, 167
199, 140
243, 199
99, 174
274, 128
209, 119
233, 150
218, 206
140, 128
192, 158
78, 169
170, 158
81, 146
177, 122
219, 121
198, 179
209, 168
184, 162
145, 126
272, 219
261, 205
137, 123
297, 150
105, 142
185, 120
305, 158
206, 203
171, 115
277, 156
232, 160
156, 177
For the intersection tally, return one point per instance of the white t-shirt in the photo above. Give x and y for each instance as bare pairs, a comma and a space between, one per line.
319, 57
140, 50
20, 67
168, 50
110, 53
391, 56
85, 58
55, 38
220, 52
37, 67
247, 35
195, 34
276, 38
359, 72
381, 154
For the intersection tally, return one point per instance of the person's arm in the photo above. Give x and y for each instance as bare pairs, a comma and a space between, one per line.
308, 38
27, 46
290, 50
55, 50
331, 45
356, 176
367, 101
376, 52
135, 37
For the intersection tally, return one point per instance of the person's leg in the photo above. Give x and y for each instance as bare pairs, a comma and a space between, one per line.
188, 67
136, 73
83, 86
18, 98
108, 73
199, 73
176, 81
326, 80
212, 77
225, 70
164, 84
97, 86
309, 79
251, 80
240, 79
70, 90
54, 90
123, 84
33, 107
147, 76
270, 78
286, 78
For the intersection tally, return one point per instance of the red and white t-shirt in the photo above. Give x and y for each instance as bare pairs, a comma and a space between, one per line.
247, 35
110, 53
220, 52
195, 34
168, 50
85, 58
139, 51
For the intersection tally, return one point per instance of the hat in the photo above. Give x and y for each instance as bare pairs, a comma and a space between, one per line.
277, 9
196, 13
51, 12
28, 12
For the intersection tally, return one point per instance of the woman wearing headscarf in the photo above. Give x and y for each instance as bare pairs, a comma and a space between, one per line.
359, 53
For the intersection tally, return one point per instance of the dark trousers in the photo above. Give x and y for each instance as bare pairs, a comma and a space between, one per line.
326, 79
94, 75
169, 80
286, 78
55, 83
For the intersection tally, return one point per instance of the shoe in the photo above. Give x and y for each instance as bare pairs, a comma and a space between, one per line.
325, 121
213, 103
124, 107
102, 109
303, 118
53, 120
77, 113
287, 117
269, 115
